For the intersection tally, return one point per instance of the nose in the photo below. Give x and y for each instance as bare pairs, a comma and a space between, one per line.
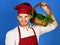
23, 19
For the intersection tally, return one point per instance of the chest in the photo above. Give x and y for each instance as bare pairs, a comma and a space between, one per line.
26, 33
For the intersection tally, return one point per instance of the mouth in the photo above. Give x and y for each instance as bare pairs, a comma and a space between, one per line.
23, 22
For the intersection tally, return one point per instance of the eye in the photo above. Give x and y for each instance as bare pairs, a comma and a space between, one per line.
20, 16
26, 16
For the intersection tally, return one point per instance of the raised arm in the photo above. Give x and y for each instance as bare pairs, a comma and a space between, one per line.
47, 9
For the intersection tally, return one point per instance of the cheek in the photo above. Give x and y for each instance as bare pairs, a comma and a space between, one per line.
19, 19
27, 19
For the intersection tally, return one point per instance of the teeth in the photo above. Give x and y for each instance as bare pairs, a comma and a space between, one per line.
23, 22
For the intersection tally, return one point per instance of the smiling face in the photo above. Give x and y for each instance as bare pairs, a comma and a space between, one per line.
23, 19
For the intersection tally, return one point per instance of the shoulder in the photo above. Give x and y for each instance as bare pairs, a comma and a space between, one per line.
12, 32
36, 27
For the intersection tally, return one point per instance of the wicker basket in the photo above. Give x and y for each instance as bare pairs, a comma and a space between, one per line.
36, 21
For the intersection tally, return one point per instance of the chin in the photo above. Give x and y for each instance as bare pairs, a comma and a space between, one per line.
23, 24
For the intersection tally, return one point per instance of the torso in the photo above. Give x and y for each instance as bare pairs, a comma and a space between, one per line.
25, 33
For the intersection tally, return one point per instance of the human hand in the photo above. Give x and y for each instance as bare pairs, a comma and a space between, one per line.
46, 8
44, 5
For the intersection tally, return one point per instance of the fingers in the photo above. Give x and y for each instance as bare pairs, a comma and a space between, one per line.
42, 4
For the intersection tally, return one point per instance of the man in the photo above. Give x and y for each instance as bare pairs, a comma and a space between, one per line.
25, 34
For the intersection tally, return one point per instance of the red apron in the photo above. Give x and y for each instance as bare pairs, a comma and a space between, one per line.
31, 40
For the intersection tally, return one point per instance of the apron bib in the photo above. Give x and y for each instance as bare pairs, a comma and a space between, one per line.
31, 40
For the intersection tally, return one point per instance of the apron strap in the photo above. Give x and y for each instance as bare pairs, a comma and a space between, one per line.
19, 32
33, 30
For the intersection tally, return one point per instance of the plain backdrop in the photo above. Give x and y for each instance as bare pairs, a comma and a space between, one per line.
8, 19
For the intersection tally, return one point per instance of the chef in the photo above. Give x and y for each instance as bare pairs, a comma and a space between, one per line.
24, 33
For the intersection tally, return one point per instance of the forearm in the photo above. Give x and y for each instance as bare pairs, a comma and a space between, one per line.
48, 11
55, 22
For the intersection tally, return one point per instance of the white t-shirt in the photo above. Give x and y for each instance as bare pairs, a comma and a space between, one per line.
12, 36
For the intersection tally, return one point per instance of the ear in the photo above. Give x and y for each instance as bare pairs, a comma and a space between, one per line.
17, 17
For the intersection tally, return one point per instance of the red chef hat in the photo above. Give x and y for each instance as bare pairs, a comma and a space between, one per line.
24, 8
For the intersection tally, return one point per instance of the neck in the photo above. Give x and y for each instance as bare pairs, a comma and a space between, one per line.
25, 26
